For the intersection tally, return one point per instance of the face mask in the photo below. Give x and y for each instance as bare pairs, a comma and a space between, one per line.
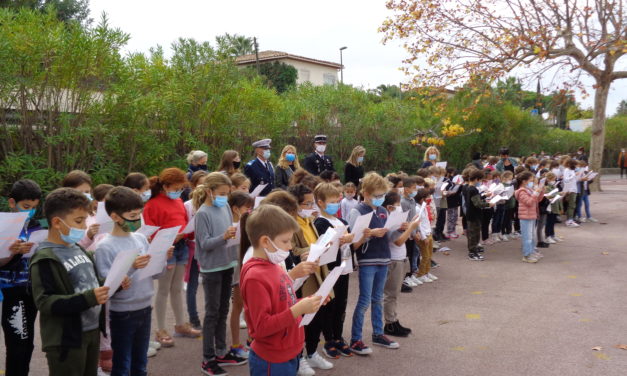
305, 213
530, 185
478, 184
507, 182
277, 256
88, 195
360, 159
579, 152
433, 157
321, 148
413, 194
130, 225
534, 167
290, 157
332, 209
74, 236
349, 196
174, 195
266, 154
146, 195
577, 169
237, 164
31, 212
377, 201
220, 201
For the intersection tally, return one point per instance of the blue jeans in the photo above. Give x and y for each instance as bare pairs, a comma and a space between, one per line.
583, 198
130, 334
181, 253
260, 367
528, 232
371, 284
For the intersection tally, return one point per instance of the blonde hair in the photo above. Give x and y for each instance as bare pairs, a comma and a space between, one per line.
326, 190
210, 182
238, 179
283, 163
432, 150
357, 151
373, 182
271, 221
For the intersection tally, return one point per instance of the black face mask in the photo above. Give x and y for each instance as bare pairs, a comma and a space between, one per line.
236, 165
198, 168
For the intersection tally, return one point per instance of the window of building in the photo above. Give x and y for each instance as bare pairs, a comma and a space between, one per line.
303, 75
330, 79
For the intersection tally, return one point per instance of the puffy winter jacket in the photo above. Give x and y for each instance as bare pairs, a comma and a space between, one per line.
528, 203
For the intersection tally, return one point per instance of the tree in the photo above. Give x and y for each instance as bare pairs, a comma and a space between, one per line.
469, 39
233, 45
279, 75
622, 108
66, 10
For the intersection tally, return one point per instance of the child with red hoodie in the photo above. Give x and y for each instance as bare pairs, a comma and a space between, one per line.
272, 311
528, 196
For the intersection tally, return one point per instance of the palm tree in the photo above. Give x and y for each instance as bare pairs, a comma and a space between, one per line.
234, 45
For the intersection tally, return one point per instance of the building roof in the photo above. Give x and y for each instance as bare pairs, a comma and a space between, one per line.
266, 56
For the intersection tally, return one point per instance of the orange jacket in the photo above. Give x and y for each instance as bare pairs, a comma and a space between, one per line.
622, 157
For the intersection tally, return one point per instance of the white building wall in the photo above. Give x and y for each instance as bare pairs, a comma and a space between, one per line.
318, 75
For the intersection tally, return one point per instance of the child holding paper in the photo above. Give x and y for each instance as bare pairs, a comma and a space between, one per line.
129, 310
583, 187
302, 242
271, 307
528, 196
82, 182
66, 288
165, 209
556, 208
214, 228
425, 241
474, 205
396, 269
240, 203
328, 199
508, 208
373, 257
408, 204
24, 196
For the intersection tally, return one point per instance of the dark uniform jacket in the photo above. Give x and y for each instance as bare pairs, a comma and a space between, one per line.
315, 164
258, 173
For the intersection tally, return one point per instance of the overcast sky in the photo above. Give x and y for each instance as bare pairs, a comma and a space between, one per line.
315, 29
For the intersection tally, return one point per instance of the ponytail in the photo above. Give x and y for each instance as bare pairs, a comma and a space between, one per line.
211, 182
155, 186
199, 196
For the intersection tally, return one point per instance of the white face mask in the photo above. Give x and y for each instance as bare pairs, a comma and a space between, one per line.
306, 213
277, 256
321, 148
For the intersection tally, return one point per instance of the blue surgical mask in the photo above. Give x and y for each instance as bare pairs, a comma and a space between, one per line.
360, 159
378, 201
413, 194
290, 157
88, 195
31, 212
577, 169
478, 184
74, 236
174, 195
433, 157
220, 201
266, 154
530, 185
332, 208
146, 195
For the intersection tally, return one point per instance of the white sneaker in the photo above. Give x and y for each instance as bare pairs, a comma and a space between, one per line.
408, 281
425, 279
154, 345
416, 280
432, 277
242, 321
436, 244
571, 223
550, 240
505, 238
593, 220
582, 220
495, 238
151, 352
304, 368
317, 361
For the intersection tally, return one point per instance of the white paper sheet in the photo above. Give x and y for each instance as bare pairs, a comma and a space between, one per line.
496, 199
348, 269
316, 250
324, 290
36, 238
327, 237
508, 192
158, 252
552, 192
556, 198
298, 283
11, 225
441, 164
331, 254
258, 201
421, 209
360, 225
238, 234
101, 214
119, 269
148, 230
191, 226
591, 175
396, 219
257, 191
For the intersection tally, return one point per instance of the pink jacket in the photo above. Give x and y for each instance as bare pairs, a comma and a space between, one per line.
528, 203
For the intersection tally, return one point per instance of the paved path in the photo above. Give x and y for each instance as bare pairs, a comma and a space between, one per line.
498, 317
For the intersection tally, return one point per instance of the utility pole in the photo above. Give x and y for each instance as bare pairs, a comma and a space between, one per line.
256, 53
342, 66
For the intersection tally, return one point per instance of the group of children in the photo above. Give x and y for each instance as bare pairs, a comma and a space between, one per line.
253, 258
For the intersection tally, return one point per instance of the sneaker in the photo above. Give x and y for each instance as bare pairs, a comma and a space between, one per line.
155, 345
195, 324
242, 321
151, 352
416, 280
360, 348
432, 277
530, 259
453, 235
212, 369
406, 288
317, 361
394, 330
186, 330
434, 264
436, 244
231, 359
543, 245
474, 257
571, 223
495, 238
593, 220
580, 220
488, 241
330, 351
409, 282
384, 341
537, 255
406, 330
425, 279
505, 238
304, 369
343, 348
481, 257
240, 351
549, 240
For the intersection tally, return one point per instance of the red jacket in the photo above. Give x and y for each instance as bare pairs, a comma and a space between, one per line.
528, 203
268, 295
164, 212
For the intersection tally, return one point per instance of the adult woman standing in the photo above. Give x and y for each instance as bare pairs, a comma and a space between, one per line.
354, 169
230, 162
196, 160
432, 155
288, 163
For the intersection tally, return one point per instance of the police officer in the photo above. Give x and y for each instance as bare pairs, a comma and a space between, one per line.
317, 161
260, 170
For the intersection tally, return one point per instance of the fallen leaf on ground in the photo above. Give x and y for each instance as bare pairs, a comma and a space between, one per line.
446, 253
622, 347
602, 356
442, 322
597, 348
605, 253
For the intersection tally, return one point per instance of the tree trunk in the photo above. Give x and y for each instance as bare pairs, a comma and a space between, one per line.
597, 142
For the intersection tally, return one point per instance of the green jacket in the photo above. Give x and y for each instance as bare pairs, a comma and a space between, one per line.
59, 306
